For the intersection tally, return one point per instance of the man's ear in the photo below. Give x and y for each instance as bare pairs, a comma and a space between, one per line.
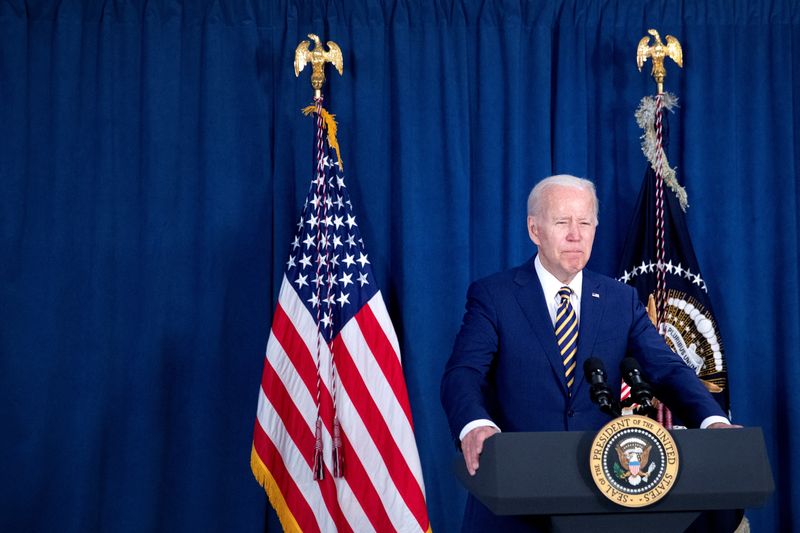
533, 230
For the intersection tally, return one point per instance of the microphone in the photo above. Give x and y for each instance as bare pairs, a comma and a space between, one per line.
641, 392
600, 392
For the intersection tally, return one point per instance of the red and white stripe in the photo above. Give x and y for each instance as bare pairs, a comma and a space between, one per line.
382, 489
625, 391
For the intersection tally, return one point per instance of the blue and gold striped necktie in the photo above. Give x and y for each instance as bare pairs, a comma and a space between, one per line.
567, 334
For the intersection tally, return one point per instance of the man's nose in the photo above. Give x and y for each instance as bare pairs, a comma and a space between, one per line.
574, 232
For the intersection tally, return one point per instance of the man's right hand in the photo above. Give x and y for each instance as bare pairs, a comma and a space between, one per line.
472, 446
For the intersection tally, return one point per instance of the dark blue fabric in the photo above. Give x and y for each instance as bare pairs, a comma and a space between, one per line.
153, 163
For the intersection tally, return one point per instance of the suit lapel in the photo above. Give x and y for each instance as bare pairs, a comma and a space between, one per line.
531, 299
592, 308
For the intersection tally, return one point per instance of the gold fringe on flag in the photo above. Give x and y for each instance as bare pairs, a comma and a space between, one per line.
265, 479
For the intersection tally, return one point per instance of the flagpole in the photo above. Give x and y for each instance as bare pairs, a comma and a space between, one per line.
657, 52
318, 56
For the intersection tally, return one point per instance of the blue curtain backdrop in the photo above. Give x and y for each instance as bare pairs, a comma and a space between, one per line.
153, 160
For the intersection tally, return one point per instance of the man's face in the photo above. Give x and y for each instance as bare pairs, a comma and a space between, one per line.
564, 230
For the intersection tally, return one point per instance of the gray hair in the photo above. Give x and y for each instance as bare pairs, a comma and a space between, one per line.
561, 180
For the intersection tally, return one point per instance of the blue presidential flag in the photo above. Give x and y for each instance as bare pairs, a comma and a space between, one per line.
660, 262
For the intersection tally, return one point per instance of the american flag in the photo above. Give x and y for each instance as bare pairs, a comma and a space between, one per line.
333, 367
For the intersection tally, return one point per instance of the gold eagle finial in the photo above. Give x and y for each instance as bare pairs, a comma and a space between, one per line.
317, 57
658, 51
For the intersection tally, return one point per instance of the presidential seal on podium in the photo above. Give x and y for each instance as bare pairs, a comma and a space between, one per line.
634, 461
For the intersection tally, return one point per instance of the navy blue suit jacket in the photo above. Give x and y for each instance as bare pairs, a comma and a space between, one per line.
506, 365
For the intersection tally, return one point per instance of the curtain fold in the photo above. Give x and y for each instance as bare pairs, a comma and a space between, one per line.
153, 159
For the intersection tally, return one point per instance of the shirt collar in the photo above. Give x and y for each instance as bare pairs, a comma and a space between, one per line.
551, 285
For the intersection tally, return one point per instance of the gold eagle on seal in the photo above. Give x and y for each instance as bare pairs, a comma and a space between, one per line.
634, 459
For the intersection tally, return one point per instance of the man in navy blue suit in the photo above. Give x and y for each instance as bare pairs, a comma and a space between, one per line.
508, 371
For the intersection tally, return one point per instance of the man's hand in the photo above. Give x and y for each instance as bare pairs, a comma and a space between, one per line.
722, 425
472, 446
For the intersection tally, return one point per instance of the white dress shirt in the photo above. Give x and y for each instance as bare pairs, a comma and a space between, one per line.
551, 286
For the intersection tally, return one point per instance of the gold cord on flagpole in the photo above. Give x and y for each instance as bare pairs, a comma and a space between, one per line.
658, 52
317, 57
